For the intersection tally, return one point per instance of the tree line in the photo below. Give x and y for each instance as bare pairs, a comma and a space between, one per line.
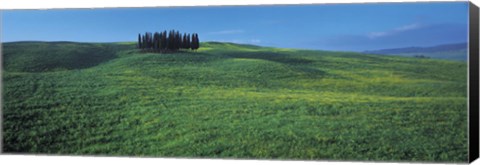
163, 42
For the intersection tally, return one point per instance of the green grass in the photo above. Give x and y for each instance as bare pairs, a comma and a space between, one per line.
232, 101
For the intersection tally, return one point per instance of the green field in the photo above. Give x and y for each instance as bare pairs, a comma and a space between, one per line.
231, 101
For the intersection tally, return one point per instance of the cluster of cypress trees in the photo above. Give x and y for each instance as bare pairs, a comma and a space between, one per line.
163, 42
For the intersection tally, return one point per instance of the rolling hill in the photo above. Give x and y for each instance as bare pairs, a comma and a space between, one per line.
231, 101
456, 51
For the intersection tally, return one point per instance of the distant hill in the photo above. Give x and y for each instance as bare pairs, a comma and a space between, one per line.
456, 51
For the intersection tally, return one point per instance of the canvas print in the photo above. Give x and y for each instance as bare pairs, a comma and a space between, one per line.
349, 82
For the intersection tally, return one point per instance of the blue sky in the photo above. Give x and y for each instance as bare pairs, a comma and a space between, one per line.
348, 27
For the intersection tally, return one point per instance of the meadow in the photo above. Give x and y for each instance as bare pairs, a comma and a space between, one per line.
231, 101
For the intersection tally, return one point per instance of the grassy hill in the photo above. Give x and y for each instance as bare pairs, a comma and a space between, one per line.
54, 56
232, 101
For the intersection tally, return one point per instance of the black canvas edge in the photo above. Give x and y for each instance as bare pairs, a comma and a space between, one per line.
473, 114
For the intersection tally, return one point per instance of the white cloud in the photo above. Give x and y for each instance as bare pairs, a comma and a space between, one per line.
377, 34
255, 41
373, 35
224, 32
408, 27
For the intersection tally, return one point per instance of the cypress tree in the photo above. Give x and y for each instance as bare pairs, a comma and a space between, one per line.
178, 40
159, 47
139, 41
160, 44
174, 40
198, 41
188, 41
150, 44
146, 40
164, 40
145, 37
143, 42
156, 41
192, 43
184, 40
195, 41
171, 40
184, 43
159, 37
150, 40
